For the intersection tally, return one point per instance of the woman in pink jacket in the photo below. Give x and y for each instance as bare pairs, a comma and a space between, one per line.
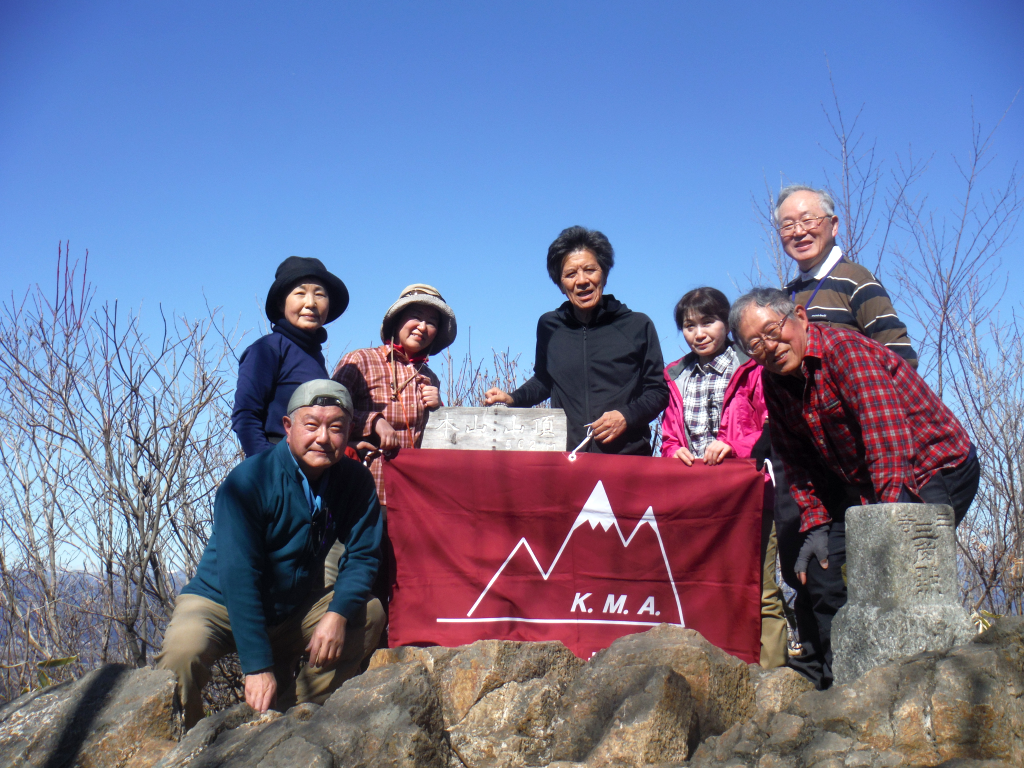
716, 410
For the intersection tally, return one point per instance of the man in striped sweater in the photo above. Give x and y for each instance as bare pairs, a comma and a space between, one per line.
834, 291
840, 294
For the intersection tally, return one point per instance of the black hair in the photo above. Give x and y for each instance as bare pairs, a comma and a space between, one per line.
702, 302
575, 239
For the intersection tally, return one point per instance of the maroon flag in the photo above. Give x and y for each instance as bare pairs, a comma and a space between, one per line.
531, 546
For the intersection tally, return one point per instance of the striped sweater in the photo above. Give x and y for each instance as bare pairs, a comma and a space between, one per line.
851, 297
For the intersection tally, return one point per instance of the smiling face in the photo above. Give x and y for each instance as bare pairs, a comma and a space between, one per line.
582, 282
706, 336
316, 436
306, 306
785, 355
416, 328
808, 244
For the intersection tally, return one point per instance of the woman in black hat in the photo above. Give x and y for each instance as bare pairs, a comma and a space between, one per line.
303, 298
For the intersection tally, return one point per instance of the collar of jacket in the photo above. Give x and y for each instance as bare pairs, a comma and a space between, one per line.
606, 311
674, 369
306, 342
820, 273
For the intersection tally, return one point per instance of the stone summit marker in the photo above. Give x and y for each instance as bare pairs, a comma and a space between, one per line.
903, 595
496, 428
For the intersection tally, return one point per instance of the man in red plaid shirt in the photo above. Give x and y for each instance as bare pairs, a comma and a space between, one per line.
853, 424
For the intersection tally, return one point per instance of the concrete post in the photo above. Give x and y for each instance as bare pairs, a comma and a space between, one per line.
903, 594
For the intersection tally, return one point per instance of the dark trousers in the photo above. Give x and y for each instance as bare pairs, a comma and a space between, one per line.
825, 592
956, 486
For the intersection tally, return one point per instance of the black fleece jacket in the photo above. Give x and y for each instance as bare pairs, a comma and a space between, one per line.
613, 363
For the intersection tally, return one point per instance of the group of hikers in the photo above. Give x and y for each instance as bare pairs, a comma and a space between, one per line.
817, 382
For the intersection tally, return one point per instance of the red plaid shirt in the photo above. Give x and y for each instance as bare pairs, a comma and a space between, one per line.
368, 375
863, 413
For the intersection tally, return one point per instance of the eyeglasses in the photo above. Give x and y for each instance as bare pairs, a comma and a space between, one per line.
809, 224
771, 332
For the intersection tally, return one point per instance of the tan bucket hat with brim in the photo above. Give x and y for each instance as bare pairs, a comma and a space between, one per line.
428, 296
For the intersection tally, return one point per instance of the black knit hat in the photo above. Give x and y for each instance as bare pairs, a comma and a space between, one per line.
296, 267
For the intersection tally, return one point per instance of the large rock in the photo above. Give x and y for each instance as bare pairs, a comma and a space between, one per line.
626, 716
965, 703
722, 690
499, 698
775, 690
227, 729
509, 704
509, 727
961, 707
465, 675
903, 594
653, 699
386, 717
112, 716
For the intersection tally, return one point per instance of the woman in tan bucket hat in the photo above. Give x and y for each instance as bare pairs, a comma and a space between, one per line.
391, 385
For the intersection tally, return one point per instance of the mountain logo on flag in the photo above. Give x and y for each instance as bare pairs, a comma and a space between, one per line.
598, 576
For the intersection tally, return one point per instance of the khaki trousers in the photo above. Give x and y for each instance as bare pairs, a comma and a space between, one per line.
199, 633
774, 629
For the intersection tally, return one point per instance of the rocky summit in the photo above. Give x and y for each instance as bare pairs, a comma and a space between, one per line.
662, 698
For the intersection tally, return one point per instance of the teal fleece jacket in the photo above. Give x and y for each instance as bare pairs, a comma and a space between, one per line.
260, 561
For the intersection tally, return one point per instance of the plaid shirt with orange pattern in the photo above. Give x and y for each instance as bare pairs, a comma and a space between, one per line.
381, 389
862, 412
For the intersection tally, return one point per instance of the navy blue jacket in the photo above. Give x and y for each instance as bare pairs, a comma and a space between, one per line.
261, 562
269, 371
613, 363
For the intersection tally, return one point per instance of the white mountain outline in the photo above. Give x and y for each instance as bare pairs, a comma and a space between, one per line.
597, 511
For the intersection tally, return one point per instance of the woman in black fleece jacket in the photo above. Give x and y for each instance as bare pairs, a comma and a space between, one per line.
596, 359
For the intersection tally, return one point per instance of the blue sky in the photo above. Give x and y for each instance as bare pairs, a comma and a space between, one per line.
192, 146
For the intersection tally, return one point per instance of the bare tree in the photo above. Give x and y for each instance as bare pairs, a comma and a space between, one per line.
854, 185
465, 383
780, 267
112, 447
990, 396
953, 281
951, 263
951, 285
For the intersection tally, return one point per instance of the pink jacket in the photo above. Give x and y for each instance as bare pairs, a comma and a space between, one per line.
743, 410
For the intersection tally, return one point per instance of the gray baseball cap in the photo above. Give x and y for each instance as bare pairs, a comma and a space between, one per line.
320, 392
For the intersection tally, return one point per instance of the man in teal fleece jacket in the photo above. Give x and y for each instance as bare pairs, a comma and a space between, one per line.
259, 586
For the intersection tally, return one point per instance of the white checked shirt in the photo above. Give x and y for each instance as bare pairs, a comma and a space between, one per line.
703, 389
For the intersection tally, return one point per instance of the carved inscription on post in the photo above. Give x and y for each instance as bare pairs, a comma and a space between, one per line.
922, 532
497, 428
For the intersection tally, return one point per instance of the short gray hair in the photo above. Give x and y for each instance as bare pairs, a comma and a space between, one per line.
769, 298
828, 205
